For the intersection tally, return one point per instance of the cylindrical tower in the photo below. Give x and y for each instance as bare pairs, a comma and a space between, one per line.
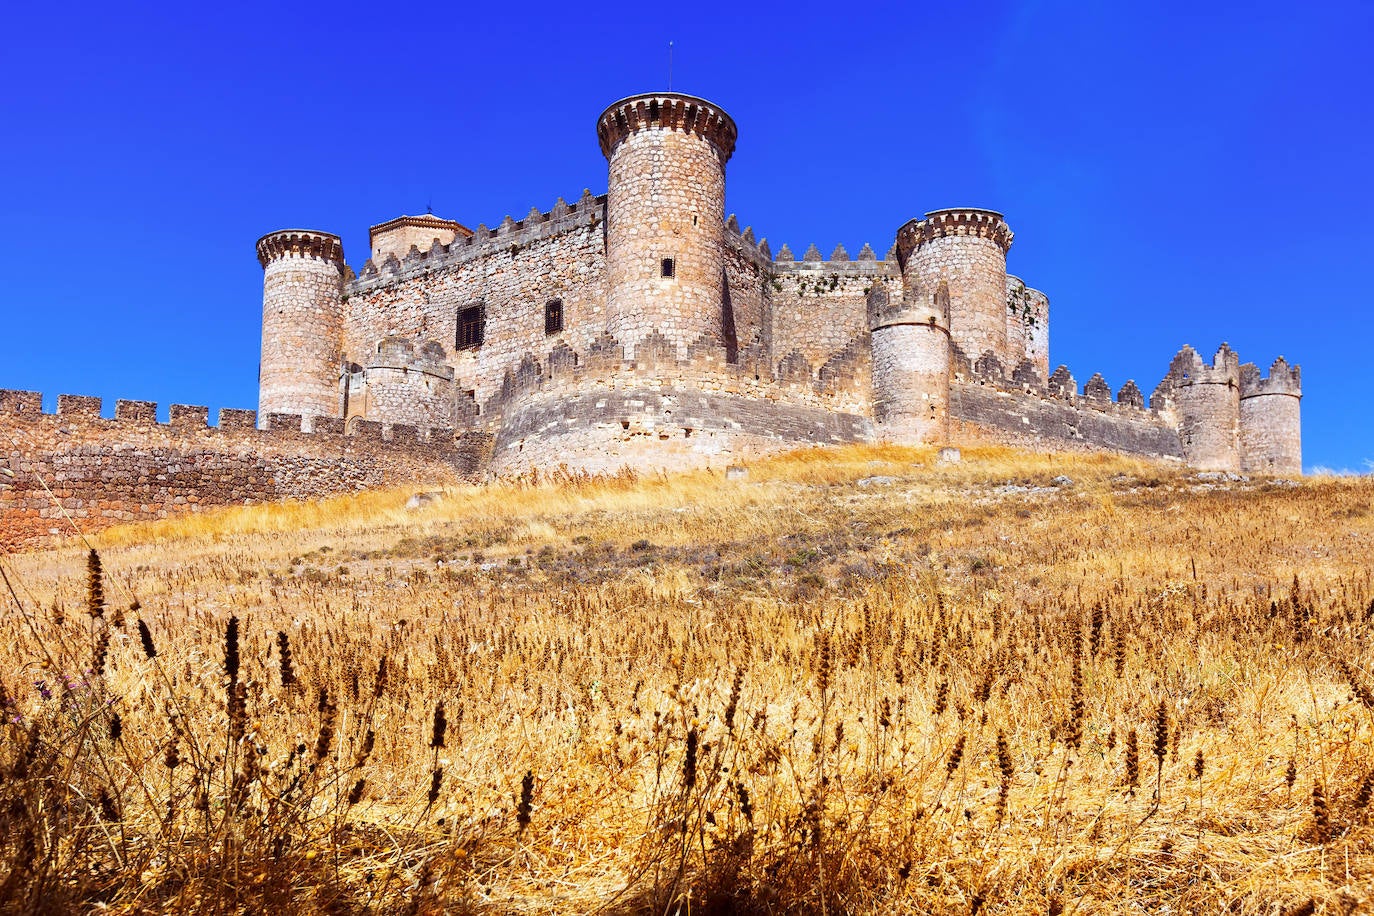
1207, 399
1270, 419
302, 323
967, 250
665, 217
910, 364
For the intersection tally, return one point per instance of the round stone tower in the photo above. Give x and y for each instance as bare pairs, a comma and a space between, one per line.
1270, 419
967, 250
910, 364
665, 218
1207, 399
302, 323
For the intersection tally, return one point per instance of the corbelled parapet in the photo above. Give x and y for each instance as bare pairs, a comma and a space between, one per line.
670, 110
951, 223
300, 243
963, 252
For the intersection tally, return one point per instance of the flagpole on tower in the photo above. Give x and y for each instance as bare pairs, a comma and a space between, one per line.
670, 66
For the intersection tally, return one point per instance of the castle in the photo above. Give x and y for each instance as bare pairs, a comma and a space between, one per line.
645, 328
640, 328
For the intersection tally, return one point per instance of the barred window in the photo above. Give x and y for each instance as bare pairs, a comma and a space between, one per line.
472, 326
553, 316
668, 268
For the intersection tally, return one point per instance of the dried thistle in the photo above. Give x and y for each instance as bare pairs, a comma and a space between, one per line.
1119, 654
1077, 708
823, 664
1321, 813
116, 726
231, 650
689, 762
145, 636
1198, 765
95, 585
355, 794
745, 807
1004, 764
379, 682
956, 755
733, 705
941, 698
108, 809
1161, 746
522, 811
1132, 759
288, 668
364, 752
440, 727
1290, 775
1095, 630
436, 779
1357, 684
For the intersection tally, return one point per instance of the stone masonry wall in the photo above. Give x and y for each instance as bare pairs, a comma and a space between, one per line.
666, 201
819, 307
1031, 420
513, 272
661, 427
1028, 327
132, 468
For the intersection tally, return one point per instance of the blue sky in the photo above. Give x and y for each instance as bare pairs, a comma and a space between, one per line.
1175, 173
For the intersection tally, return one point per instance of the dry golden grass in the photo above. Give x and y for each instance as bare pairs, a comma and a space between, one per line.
804, 692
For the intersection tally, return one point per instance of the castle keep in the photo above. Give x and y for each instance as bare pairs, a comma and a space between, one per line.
643, 327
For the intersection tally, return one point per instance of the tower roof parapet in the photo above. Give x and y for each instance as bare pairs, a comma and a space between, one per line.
670, 110
423, 221
300, 243
960, 221
1188, 368
1282, 379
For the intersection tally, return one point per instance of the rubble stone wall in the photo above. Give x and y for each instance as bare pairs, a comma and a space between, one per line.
132, 468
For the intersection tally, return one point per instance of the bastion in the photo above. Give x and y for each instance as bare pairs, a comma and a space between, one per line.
643, 328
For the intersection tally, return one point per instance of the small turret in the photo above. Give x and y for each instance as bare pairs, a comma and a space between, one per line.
967, 250
665, 218
1270, 419
1207, 399
302, 323
910, 363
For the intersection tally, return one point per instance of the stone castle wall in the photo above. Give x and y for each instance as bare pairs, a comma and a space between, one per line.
133, 468
511, 273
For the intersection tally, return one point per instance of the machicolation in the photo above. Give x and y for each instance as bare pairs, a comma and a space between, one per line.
641, 327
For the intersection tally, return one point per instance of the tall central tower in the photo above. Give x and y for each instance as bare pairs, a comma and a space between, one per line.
665, 218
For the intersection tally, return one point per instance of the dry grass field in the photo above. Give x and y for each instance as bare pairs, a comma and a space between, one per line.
857, 681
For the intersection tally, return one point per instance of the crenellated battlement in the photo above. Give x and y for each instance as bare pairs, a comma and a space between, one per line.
79, 417
300, 243
668, 111
508, 238
1188, 368
1282, 379
953, 223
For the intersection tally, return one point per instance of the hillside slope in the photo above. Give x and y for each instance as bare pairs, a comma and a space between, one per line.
854, 680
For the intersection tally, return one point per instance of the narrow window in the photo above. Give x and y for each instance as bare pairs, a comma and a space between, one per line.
553, 316
668, 268
471, 327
